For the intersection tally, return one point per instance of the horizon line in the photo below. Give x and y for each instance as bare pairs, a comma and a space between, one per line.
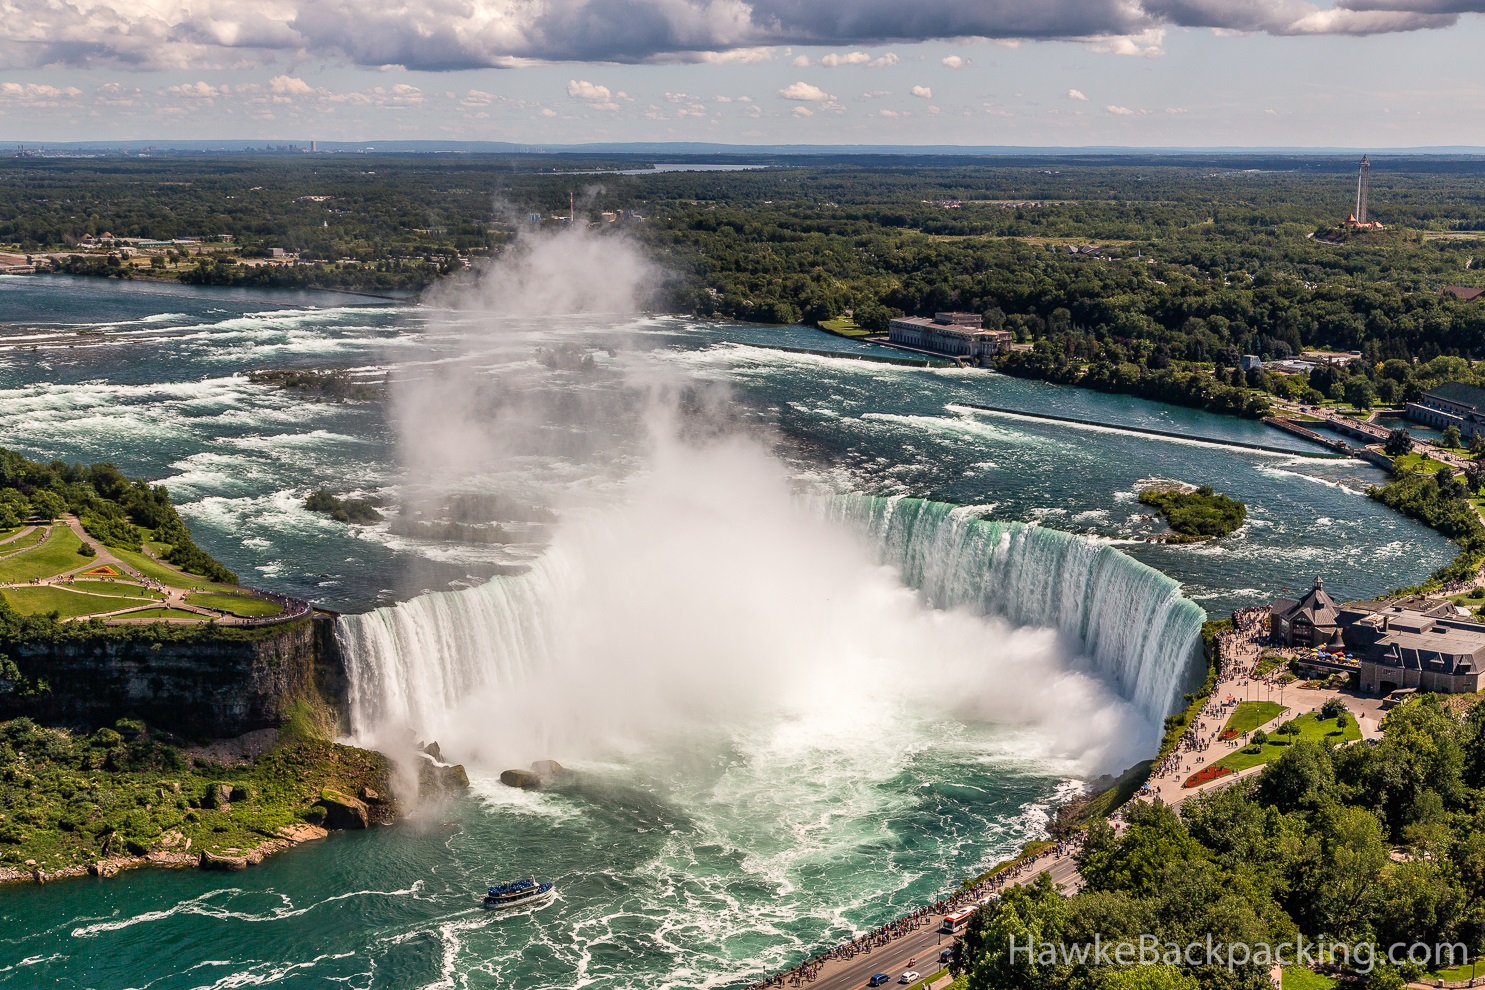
705, 147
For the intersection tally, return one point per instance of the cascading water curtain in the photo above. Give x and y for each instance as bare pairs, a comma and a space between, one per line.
1138, 630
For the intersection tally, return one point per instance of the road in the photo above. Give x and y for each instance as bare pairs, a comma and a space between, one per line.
926, 943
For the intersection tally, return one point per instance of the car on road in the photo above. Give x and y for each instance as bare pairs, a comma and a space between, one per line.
908, 977
946, 956
881, 979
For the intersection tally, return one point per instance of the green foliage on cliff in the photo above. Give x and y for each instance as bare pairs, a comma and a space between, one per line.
1440, 501
68, 799
1198, 515
112, 507
1175, 725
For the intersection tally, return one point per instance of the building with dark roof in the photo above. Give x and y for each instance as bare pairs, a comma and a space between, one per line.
1464, 292
1427, 644
1416, 642
1311, 621
1451, 404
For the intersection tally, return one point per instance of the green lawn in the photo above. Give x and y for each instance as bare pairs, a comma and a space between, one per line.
1311, 728
1249, 715
167, 575
247, 606
844, 325
57, 554
166, 613
68, 604
1458, 973
120, 589
1417, 462
29, 540
1299, 978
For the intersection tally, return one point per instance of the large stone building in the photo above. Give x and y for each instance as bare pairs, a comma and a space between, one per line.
1412, 642
1420, 643
954, 334
1451, 404
1310, 621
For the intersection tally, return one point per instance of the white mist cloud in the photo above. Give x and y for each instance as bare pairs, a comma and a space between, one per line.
923, 92
805, 92
1076, 94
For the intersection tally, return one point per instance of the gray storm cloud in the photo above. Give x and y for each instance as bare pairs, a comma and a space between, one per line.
458, 34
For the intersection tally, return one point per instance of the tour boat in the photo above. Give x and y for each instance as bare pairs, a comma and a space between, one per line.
521, 893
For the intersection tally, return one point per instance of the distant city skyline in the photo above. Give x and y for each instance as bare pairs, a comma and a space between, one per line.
1174, 73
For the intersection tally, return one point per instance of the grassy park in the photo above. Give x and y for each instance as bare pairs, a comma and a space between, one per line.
1312, 728
1249, 715
846, 326
115, 567
59, 554
83, 587
67, 604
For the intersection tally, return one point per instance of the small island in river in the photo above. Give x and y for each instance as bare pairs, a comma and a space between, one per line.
1195, 514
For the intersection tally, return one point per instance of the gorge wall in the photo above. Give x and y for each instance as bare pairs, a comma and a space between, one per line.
214, 685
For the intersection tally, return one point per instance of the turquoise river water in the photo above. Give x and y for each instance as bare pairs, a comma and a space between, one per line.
818, 639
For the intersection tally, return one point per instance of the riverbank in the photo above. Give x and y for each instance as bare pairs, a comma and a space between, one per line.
127, 797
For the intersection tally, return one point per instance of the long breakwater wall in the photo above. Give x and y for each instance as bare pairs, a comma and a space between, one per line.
1150, 431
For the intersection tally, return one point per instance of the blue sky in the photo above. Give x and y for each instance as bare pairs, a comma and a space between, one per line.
1375, 74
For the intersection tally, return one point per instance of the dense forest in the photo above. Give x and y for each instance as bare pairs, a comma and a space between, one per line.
1197, 262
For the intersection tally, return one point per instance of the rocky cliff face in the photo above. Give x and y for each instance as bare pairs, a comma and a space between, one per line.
213, 687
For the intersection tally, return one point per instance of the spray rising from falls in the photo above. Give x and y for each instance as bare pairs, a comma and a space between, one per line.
741, 603
1136, 628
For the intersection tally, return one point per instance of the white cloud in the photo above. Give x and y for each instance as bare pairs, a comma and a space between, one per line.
882, 62
38, 94
548, 112
805, 93
801, 61
803, 112
888, 113
954, 61
1077, 94
581, 89
874, 94
923, 92
852, 58
195, 91
289, 86
1119, 111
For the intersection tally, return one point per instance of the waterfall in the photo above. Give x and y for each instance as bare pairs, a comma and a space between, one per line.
1137, 629
412, 663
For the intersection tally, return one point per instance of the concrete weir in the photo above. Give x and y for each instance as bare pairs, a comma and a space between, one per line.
1147, 431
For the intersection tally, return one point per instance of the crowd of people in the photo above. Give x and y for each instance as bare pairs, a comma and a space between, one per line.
1235, 664
930, 916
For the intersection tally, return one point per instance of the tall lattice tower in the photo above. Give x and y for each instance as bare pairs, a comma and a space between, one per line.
1363, 186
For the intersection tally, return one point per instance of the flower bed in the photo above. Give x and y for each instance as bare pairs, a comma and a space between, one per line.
1228, 734
1206, 775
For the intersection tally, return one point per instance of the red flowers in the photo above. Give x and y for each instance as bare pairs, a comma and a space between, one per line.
1206, 775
